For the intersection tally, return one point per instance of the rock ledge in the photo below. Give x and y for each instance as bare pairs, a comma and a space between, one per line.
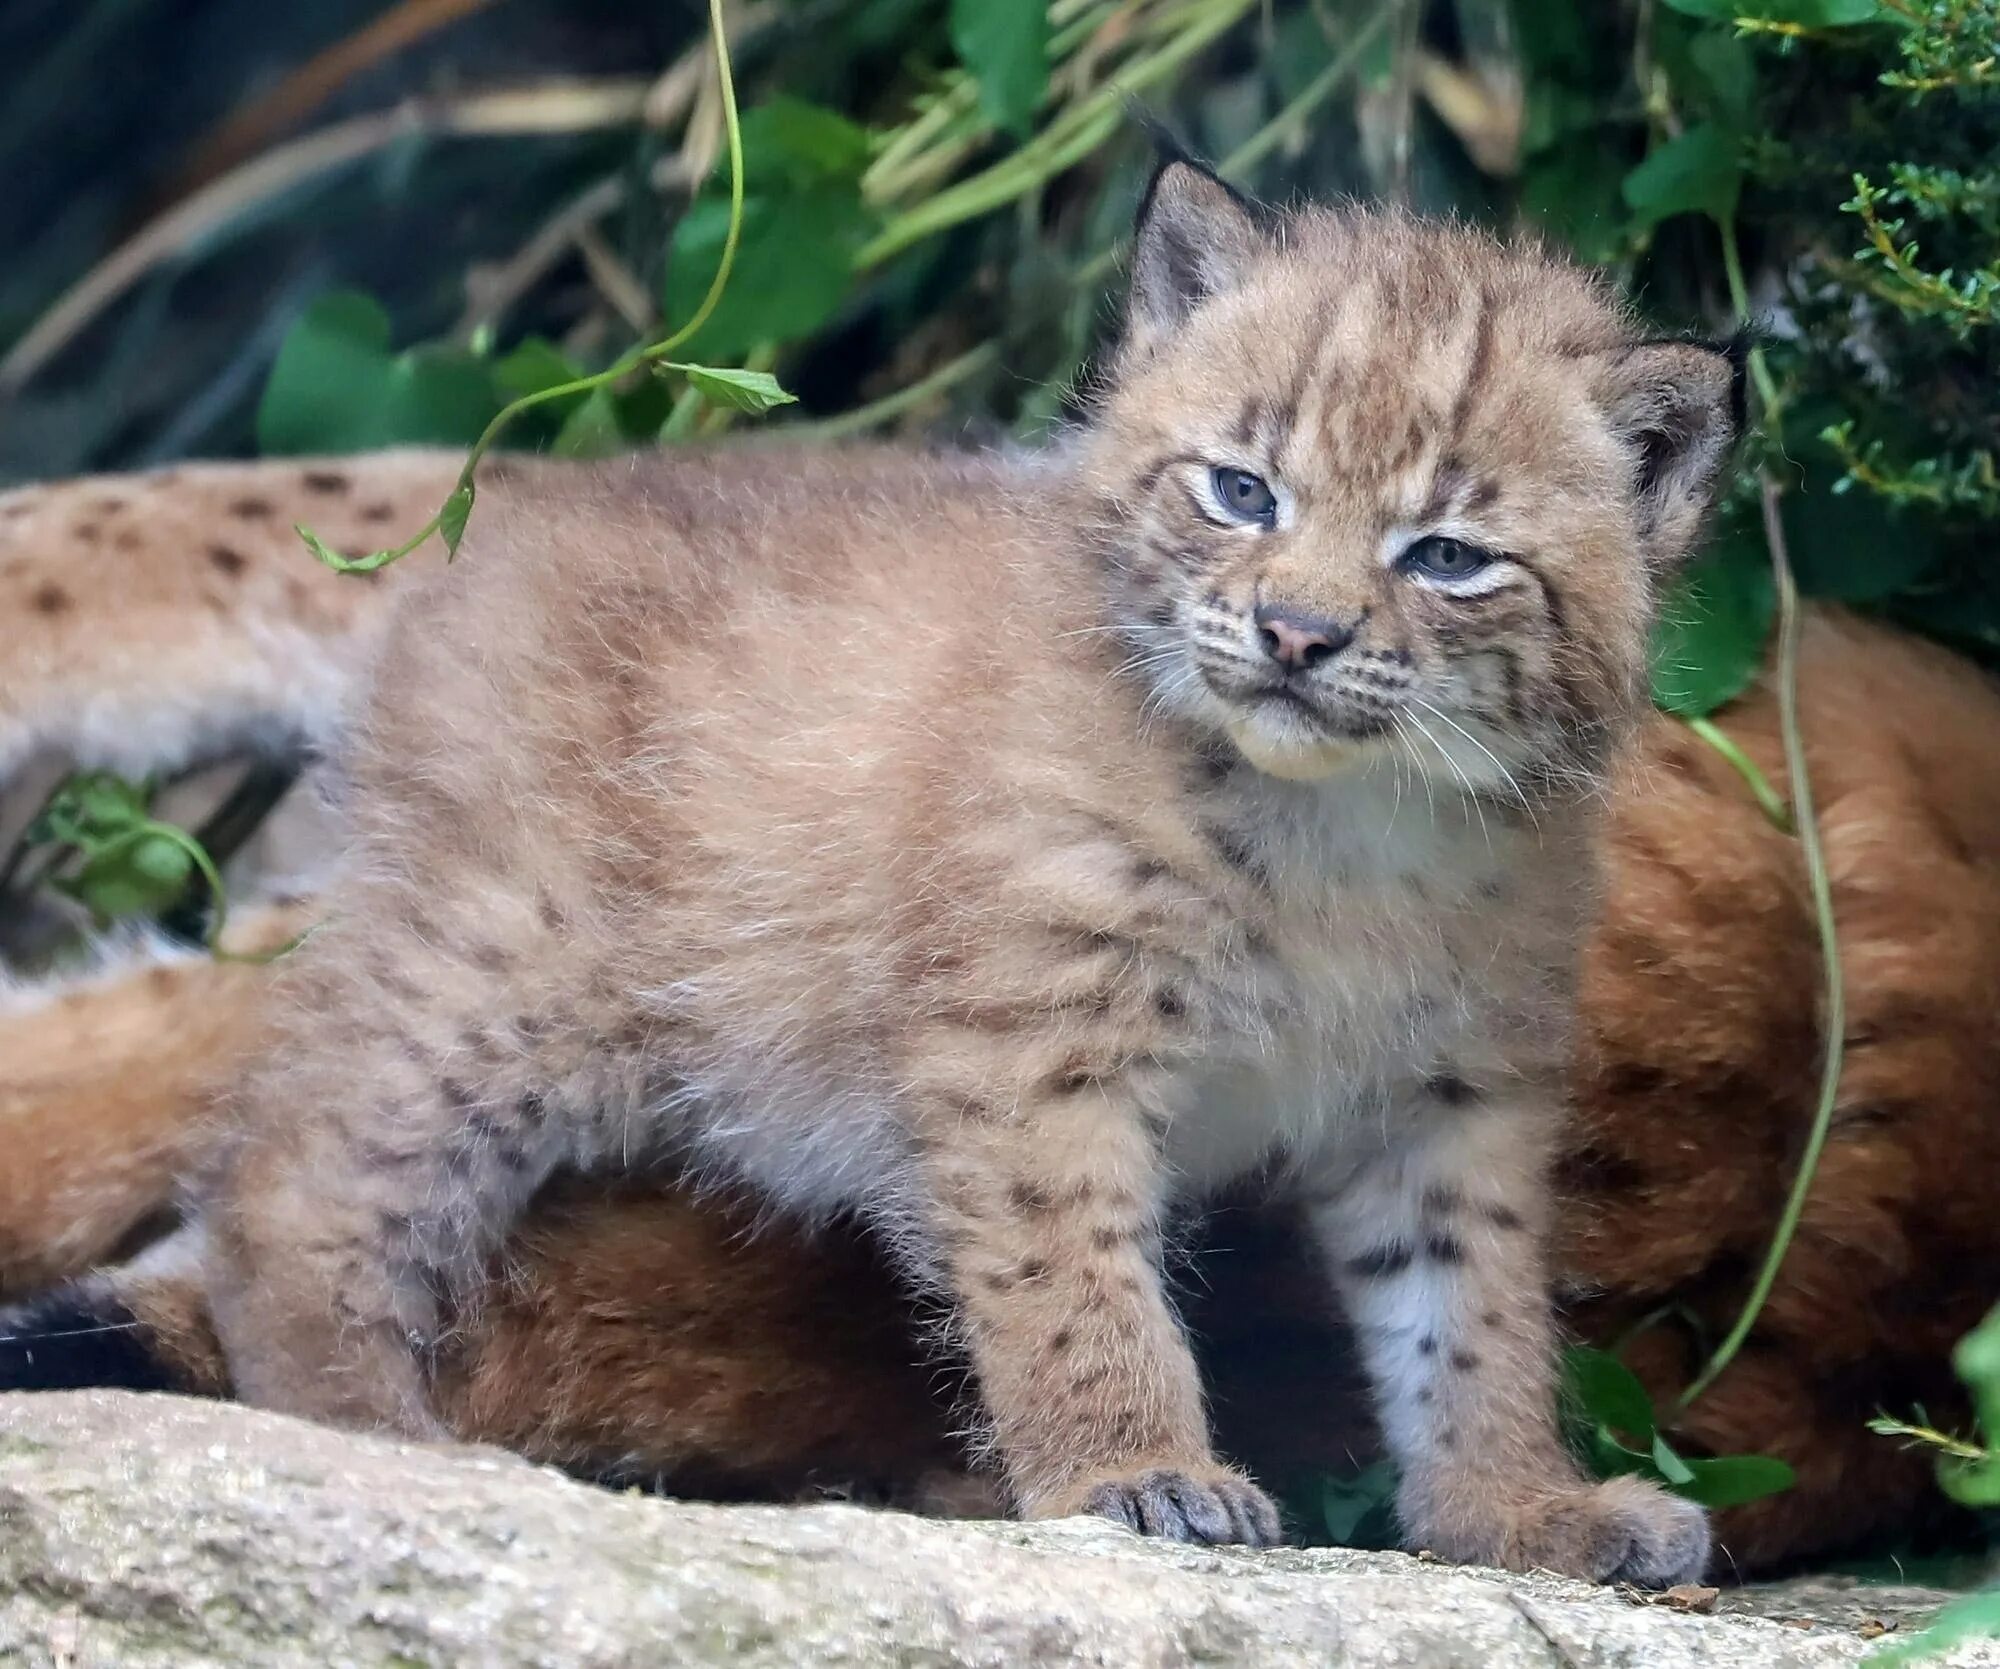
148, 1531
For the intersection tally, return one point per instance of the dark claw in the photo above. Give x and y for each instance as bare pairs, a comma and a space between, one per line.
1180, 1508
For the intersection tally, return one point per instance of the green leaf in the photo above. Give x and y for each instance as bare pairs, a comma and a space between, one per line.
1709, 641
1607, 1391
337, 387
1976, 1483
1005, 44
140, 875
1361, 1511
1572, 190
90, 809
342, 564
531, 366
1808, 14
1670, 1466
793, 267
592, 430
452, 518
751, 391
790, 145
1726, 73
1701, 172
1975, 1617
1733, 1479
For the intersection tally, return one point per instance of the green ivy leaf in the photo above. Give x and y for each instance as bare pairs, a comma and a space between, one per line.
1005, 44
337, 387
1808, 14
1701, 172
793, 266
751, 391
452, 518
1670, 1466
790, 145
339, 562
140, 875
1607, 1391
1726, 74
1733, 1479
1709, 641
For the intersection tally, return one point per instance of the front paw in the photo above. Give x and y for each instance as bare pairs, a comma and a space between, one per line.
1622, 1530
1209, 1505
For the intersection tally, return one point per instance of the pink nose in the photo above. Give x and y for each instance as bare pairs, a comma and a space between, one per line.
1299, 641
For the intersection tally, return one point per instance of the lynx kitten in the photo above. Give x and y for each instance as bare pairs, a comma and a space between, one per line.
1007, 851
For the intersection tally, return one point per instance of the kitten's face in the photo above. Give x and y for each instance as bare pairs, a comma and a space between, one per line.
1375, 485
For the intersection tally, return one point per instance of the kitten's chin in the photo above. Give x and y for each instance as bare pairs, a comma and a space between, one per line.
1291, 755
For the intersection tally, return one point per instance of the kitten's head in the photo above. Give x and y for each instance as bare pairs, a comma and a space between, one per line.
1375, 484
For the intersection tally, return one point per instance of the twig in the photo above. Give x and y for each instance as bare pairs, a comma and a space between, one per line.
551, 107
492, 291
305, 89
1238, 163
616, 282
893, 405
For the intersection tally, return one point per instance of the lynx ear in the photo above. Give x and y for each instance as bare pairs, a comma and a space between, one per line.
1678, 407
1196, 238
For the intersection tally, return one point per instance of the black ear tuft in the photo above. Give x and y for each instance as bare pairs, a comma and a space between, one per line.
1196, 237
1735, 348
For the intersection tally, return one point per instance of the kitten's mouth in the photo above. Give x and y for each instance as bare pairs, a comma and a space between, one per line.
1286, 733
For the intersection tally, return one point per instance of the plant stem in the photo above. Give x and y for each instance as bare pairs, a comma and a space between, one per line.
1760, 786
459, 504
937, 140
656, 350
1100, 266
1073, 135
1322, 87
893, 405
1833, 1020
1739, 300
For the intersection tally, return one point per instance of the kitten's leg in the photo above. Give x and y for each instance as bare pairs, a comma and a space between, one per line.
1047, 1220
1437, 1249
384, 1153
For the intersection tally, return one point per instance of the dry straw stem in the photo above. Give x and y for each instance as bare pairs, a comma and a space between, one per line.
249, 129
549, 107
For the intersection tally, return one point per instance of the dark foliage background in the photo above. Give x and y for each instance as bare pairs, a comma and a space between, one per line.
518, 187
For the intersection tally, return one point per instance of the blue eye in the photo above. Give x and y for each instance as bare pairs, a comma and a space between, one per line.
1245, 496
1446, 559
